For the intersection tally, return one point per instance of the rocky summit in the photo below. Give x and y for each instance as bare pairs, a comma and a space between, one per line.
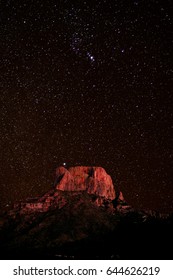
80, 179
83, 216
93, 180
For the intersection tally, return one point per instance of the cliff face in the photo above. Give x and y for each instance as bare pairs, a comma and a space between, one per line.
82, 217
94, 181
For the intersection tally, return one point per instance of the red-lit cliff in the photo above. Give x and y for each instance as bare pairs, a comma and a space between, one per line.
82, 216
94, 181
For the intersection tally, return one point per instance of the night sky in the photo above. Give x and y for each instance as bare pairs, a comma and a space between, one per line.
87, 83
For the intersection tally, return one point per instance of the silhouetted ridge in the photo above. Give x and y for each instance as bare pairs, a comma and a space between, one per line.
83, 216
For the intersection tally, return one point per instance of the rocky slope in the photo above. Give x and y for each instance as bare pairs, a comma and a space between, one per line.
82, 216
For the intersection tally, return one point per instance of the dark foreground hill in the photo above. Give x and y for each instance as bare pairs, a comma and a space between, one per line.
83, 217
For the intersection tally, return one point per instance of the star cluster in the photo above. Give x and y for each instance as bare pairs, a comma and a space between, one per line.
87, 83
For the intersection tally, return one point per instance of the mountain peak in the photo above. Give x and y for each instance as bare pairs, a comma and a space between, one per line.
90, 180
93, 180
76, 217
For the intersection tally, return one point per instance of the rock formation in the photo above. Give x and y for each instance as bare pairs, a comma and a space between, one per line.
91, 180
94, 180
82, 217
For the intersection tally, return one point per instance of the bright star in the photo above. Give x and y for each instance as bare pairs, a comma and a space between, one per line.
91, 57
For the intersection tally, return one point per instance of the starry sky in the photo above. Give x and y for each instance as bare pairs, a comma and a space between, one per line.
87, 83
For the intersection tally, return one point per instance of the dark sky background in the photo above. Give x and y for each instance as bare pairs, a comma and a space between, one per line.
87, 83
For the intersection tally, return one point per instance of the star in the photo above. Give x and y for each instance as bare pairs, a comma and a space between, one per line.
91, 57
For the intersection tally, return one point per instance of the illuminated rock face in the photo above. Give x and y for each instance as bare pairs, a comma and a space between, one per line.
91, 180
94, 180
